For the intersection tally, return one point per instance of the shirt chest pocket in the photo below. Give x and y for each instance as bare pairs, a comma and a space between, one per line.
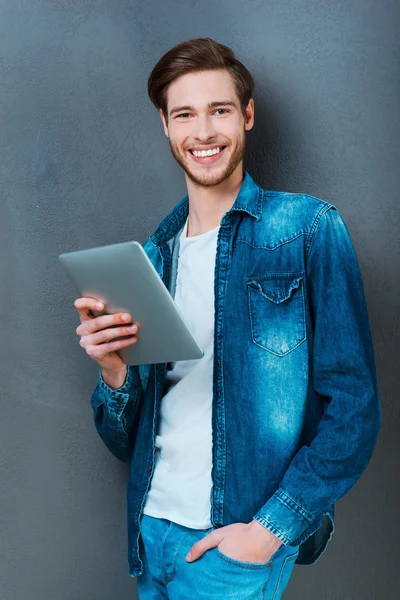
276, 311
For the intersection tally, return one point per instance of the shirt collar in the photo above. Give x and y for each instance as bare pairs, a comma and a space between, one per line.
249, 199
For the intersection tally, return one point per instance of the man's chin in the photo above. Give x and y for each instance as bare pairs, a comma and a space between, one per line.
207, 179
208, 176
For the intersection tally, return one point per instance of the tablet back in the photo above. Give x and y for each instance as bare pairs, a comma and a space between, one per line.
123, 277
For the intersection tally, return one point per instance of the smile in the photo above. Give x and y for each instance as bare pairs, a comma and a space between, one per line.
207, 156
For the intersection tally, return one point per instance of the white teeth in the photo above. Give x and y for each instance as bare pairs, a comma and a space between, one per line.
206, 152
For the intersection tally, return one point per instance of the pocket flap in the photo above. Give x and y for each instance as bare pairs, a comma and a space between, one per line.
276, 288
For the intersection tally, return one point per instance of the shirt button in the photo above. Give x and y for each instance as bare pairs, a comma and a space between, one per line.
138, 510
149, 468
269, 565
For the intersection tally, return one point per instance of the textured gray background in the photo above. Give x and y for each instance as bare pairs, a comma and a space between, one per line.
84, 162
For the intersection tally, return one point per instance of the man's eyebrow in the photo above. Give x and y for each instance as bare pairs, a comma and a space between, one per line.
209, 105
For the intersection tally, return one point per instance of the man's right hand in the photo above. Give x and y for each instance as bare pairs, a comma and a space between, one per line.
98, 338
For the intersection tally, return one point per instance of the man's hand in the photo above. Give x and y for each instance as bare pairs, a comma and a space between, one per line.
247, 542
101, 338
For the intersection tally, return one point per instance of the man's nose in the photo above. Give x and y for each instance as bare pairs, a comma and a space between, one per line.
204, 128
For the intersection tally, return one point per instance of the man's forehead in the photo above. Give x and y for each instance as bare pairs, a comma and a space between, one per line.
202, 88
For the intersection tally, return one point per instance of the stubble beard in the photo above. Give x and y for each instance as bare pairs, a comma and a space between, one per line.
211, 177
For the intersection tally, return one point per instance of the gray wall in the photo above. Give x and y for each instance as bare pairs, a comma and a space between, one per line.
84, 162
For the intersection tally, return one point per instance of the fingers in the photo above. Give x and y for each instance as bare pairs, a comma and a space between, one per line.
109, 334
103, 335
85, 305
99, 351
211, 540
95, 324
90, 324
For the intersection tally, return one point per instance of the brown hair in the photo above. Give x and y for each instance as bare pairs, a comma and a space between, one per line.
200, 54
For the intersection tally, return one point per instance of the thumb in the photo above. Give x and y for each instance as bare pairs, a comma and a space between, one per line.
209, 541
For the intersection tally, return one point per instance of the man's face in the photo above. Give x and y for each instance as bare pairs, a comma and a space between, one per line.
200, 119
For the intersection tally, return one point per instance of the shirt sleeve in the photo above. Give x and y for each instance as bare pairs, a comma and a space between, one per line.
343, 376
115, 413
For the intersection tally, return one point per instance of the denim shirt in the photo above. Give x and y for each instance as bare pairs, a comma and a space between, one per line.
295, 408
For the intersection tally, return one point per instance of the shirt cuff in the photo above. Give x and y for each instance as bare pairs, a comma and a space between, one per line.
286, 519
116, 399
123, 389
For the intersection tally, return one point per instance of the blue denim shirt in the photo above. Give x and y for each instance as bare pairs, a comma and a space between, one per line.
296, 409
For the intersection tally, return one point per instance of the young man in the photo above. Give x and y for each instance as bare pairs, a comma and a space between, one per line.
237, 459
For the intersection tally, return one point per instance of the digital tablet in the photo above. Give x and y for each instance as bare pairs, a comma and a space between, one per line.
123, 277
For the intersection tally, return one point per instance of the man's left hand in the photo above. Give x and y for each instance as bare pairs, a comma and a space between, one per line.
248, 542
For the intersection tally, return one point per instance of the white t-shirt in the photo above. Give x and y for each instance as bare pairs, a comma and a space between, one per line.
180, 489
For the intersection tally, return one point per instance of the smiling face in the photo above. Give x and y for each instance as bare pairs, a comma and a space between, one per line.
204, 116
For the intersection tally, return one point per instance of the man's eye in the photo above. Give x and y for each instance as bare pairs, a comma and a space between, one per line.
225, 110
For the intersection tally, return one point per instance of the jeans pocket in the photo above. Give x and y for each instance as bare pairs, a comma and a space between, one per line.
285, 571
276, 310
241, 563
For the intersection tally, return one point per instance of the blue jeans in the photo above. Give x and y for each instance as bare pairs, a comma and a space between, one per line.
213, 576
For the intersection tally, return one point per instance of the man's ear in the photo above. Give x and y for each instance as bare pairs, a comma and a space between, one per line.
164, 122
249, 120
